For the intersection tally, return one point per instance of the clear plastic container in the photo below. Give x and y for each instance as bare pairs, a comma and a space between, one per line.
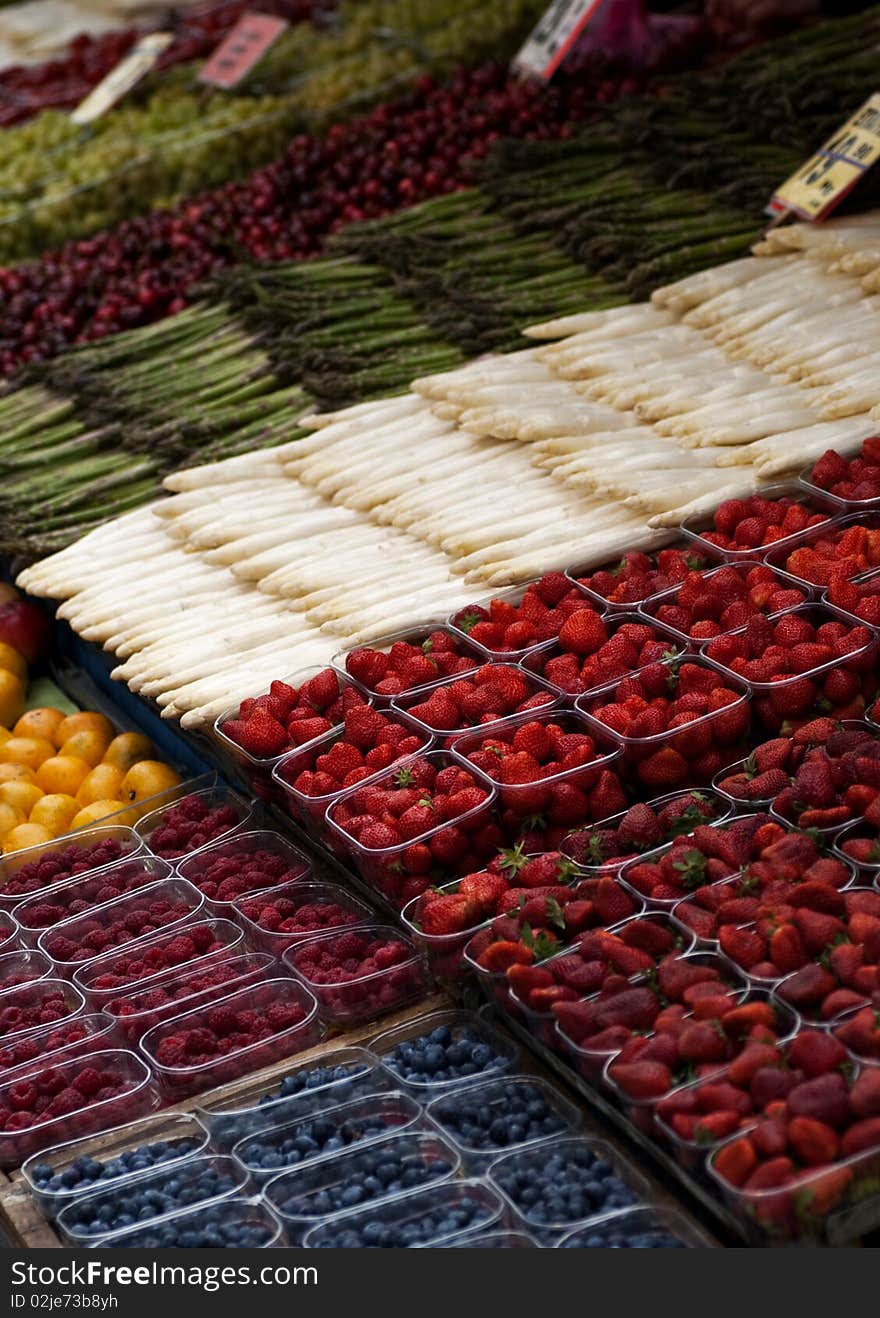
23, 967
576, 844
816, 492
392, 871
834, 1204
91, 932
563, 1118
206, 1179
491, 1240
231, 1224
53, 1177
458, 622
742, 804
115, 975
306, 1196
9, 934
535, 662
139, 1010
14, 888
256, 771
137, 1099
578, 1152
311, 811
365, 996
247, 912
868, 869
656, 1227
778, 554
32, 998
35, 914
337, 1076
527, 799
181, 1081
543, 1023
444, 952
292, 1143
693, 527
215, 798
862, 660
649, 608
642, 1112
445, 737
503, 1055
412, 636
578, 576
96, 1032
196, 868
418, 1210
638, 749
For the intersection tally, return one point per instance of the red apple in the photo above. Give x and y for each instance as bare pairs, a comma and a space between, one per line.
25, 627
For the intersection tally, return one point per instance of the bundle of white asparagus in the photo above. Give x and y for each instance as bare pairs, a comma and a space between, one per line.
602, 436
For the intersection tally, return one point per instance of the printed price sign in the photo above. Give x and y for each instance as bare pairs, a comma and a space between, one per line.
240, 50
835, 169
554, 37
127, 73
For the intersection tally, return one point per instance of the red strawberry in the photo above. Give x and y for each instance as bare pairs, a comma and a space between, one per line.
824, 1098
865, 1093
583, 632
814, 1143
736, 1161
769, 1175
642, 1079
816, 1052
862, 1135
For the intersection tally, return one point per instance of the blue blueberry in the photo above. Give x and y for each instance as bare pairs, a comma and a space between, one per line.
562, 1186
141, 1201
440, 1057
313, 1078
374, 1173
498, 1119
423, 1225
86, 1173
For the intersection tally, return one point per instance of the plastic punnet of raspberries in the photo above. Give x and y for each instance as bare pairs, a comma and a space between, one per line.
191, 823
62, 863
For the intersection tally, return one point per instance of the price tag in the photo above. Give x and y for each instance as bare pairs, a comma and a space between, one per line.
835, 169
240, 50
554, 37
127, 73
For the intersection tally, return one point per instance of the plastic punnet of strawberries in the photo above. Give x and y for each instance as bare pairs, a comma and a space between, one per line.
710, 854
740, 525
859, 1031
592, 650
507, 629
638, 576
645, 826
490, 693
834, 783
58, 864
428, 821
358, 974
193, 822
368, 742
835, 554
792, 870
709, 604
553, 766
855, 479
808, 662
691, 1042
768, 770
597, 1027
859, 598
805, 1113
678, 722
288, 716
410, 662
828, 958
